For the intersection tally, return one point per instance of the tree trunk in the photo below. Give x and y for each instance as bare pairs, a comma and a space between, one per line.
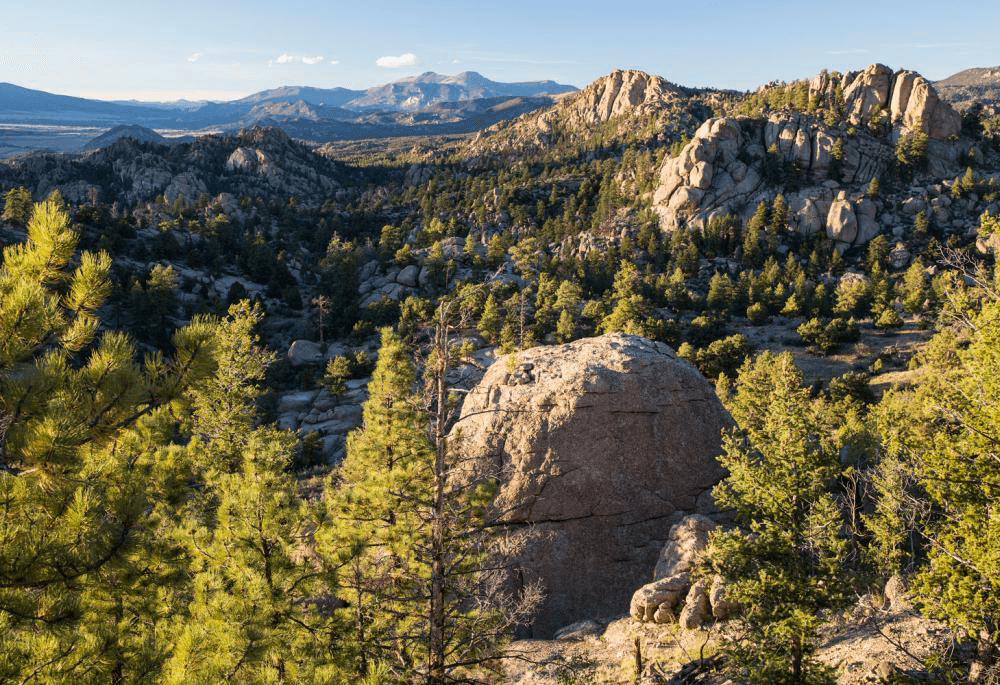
796, 659
359, 622
436, 655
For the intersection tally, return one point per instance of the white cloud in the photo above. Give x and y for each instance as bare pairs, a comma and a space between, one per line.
390, 62
195, 57
334, 61
289, 58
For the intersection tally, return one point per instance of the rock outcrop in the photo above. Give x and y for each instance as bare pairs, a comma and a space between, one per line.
724, 171
697, 609
907, 99
262, 163
615, 94
686, 541
601, 443
731, 164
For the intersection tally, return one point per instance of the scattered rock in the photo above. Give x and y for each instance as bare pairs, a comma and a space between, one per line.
841, 221
696, 609
657, 601
899, 257
303, 352
295, 402
722, 608
895, 594
408, 276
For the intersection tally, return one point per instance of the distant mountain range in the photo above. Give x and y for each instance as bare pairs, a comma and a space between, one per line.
319, 114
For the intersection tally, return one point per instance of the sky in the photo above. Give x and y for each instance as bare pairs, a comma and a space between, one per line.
224, 49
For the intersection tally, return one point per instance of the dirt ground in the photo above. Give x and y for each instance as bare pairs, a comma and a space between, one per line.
865, 645
895, 348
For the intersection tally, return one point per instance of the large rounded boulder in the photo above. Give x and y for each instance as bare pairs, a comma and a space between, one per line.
600, 445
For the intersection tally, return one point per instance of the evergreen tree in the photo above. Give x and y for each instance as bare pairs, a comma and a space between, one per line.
491, 320
872, 190
630, 311
370, 509
950, 428
565, 327
920, 225
676, 292
422, 590
720, 292
784, 562
80, 469
17, 206
249, 619
777, 223
914, 288
754, 232
339, 283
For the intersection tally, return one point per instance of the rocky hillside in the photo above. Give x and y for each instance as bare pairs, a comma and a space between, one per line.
971, 87
138, 133
823, 159
262, 163
620, 104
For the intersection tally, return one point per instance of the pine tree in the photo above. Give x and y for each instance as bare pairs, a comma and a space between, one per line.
491, 320
720, 292
872, 190
777, 223
424, 590
565, 327
950, 443
751, 238
921, 225
784, 562
17, 206
80, 468
371, 508
630, 310
249, 619
914, 288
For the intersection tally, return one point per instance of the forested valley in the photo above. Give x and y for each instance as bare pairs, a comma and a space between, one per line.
232, 375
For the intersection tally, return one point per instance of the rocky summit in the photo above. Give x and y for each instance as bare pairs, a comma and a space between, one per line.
601, 444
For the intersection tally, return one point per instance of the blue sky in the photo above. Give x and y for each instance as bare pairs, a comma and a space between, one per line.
221, 49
